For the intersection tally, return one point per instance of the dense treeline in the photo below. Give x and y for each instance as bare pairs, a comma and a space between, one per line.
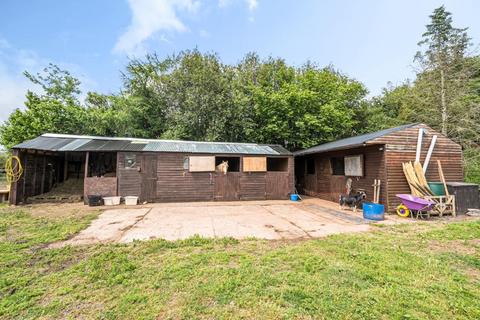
195, 96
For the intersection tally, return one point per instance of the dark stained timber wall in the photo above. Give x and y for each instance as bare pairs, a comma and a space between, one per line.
174, 183
383, 158
325, 185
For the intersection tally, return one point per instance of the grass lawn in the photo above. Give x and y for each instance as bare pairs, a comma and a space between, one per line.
414, 271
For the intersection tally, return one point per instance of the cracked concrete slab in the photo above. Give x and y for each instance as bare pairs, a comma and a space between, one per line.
260, 219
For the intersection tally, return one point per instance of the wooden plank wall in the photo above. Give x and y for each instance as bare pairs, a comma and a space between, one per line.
326, 186
129, 179
253, 186
401, 147
279, 184
105, 186
176, 184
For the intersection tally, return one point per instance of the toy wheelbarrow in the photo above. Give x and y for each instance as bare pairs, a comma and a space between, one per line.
414, 205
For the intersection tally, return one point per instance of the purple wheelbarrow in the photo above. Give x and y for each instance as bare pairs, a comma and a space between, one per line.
414, 204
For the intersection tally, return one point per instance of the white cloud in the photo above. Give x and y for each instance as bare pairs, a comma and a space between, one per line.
252, 4
150, 17
14, 85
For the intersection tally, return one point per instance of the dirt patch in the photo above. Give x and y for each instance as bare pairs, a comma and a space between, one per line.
59, 210
469, 247
472, 273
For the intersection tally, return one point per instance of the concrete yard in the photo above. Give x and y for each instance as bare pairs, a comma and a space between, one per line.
273, 220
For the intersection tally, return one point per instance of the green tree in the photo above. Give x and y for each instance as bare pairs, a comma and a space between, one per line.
444, 73
56, 109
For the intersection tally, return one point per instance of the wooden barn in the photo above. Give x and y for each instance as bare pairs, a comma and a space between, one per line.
153, 170
322, 171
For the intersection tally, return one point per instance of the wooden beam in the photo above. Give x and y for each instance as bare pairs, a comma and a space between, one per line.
85, 200
12, 197
65, 167
419, 145
25, 171
442, 177
34, 182
44, 167
429, 153
86, 164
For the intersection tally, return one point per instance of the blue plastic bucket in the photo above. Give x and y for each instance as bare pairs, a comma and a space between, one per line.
373, 211
294, 197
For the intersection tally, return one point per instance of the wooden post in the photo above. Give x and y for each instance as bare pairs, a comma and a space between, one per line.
25, 172
65, 167
429, 153
85, 200
442, 177
12, 197
34, 183
419, 145
44, 167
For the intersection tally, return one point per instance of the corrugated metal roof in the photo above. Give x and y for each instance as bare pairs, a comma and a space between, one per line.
352, 141
59, 142
44, 143
74, 144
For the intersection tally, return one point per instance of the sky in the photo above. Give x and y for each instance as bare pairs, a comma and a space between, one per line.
372, 41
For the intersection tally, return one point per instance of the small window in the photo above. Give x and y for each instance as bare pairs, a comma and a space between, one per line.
186, 163
310, 166
100, 164
233, 163
130, 160
277, 164
338, 166
354, 166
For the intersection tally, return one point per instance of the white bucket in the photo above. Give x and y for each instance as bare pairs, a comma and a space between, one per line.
131, 200
111, 201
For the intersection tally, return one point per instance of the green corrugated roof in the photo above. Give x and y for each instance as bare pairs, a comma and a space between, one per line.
65, 142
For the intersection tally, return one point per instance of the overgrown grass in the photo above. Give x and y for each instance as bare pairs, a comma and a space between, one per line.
402, 272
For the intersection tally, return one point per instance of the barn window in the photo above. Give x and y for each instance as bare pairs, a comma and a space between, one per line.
100, 164
338, 166
130, 160
354, 166
186, 164
254, 164
233, 163
201, 164
310, 164
277, 164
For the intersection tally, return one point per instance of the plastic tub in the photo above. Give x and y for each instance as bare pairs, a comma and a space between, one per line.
294, 197
373, 211
94, 200
111, 201
437, 188
131, 200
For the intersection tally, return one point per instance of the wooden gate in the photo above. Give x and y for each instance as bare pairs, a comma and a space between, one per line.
277, 185
149, 178
227, 186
